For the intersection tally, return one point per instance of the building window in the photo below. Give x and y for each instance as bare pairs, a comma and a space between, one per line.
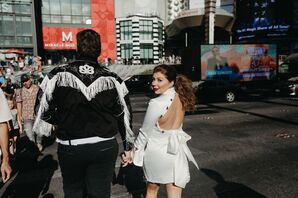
146, 51
227, 5
66, 11
160, 31
23, 8
7, 40
8, 25
125, 30
146, 27
23, 26
65, 6
126, 51
160, 50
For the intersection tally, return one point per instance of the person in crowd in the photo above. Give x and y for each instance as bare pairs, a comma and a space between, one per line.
2, 77
13, 125
88, 106
9, 89
21, 63
160, 147
5, 116
25, 98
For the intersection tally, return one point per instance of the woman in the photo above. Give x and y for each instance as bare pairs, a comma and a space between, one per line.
161, 144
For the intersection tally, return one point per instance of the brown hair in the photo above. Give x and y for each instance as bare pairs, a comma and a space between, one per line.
183, 86
88, 43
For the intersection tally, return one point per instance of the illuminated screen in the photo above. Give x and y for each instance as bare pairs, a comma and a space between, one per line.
262, 18
243, 62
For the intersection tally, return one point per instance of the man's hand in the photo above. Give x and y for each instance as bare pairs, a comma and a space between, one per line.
126, 158
5, 170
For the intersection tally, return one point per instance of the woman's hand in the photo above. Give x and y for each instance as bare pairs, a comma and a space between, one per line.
126, 158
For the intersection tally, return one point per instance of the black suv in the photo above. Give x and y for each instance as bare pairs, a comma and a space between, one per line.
217, 90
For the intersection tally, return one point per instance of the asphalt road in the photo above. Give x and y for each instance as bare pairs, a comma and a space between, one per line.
244, 149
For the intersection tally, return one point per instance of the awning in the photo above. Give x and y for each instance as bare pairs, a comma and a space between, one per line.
13, 51
195, 18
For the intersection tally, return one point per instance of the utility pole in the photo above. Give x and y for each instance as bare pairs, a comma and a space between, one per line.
210, 6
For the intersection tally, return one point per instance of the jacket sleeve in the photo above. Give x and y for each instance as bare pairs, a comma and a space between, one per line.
121, 125
45, 108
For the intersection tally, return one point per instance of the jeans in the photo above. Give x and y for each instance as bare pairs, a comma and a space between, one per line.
28, 126
88, 168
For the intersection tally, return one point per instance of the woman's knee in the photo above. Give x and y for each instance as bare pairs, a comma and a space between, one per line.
152, 190
173, 191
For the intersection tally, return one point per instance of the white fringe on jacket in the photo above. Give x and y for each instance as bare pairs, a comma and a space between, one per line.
66, 79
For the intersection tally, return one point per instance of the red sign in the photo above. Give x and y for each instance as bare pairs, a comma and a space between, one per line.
103, 22
60, 38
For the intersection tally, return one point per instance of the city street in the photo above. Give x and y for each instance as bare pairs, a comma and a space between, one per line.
244, 149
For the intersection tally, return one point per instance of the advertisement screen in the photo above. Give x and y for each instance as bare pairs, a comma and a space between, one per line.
243, 62
262, 18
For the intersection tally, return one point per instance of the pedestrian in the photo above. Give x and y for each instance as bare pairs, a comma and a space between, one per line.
14, 126
5, 116
89, 105
25, 98
161, 144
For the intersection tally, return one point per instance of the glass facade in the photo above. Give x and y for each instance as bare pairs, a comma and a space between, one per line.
227, 5
146, 50
16, 23
126, 30
126, 51
160, 31
66, 11
146, 29
140, 39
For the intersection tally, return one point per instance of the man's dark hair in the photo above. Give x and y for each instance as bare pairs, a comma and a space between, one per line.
88, 44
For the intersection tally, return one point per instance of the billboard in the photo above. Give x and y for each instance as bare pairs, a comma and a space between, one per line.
102, 21
256, 19
243, 62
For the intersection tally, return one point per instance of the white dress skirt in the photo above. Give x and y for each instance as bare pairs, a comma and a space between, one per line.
163, 154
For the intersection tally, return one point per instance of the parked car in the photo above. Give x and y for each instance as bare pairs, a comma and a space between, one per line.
288, 87
217, 90
139, 83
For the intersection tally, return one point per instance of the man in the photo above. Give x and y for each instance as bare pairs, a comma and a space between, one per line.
216, 62
5, 116
217, 66
89, 105
25, 98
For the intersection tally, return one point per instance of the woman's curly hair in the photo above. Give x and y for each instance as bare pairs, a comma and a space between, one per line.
183, 86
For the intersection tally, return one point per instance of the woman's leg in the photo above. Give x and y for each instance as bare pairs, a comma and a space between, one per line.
173, 191
152, 190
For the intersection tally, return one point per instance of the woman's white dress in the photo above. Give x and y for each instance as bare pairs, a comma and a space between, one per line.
163, 154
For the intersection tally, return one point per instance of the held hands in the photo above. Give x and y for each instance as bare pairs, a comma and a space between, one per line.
127, 158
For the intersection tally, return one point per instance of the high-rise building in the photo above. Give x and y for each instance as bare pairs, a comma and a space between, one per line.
140, 31
19, 26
